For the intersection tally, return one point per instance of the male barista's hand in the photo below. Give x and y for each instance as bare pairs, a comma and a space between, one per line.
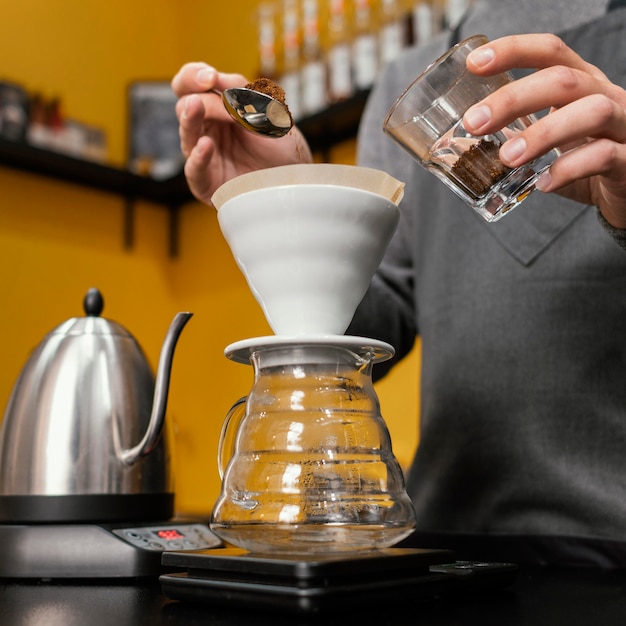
587, 119
215, 146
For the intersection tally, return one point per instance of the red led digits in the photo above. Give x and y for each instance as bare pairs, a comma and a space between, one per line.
169, 534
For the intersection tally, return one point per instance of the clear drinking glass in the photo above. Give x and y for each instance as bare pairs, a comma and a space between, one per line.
427, 122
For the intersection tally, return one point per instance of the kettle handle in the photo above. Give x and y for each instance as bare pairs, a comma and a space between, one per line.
236, 411
161, 390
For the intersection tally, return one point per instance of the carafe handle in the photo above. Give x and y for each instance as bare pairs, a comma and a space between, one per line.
236, 411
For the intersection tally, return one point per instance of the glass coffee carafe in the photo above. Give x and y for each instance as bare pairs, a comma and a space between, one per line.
306, 459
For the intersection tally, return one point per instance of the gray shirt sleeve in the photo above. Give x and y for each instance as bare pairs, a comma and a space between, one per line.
618, 234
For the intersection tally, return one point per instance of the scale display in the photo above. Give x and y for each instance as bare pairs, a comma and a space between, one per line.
169, 534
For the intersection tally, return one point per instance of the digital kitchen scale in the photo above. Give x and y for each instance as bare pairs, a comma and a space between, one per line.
112, 550
303, 584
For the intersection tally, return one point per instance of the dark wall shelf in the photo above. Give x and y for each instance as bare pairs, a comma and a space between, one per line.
25, 157
171, 193
322, 130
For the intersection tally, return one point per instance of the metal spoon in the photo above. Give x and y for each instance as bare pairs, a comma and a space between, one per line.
257, 112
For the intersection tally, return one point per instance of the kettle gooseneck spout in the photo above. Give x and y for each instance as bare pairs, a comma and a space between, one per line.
161, 390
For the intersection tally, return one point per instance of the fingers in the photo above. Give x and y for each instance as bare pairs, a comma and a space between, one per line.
591, 117
584, 104
551, 87
598, 157
191, 112
576, 170
562, 77
196, 116
186, 80
197, 86
588, 116
197, 169
526, 51
200, 77
194, 78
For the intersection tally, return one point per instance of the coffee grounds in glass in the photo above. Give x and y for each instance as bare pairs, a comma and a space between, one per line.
479, 168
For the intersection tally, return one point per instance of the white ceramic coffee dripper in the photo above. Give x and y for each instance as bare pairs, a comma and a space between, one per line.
308, 239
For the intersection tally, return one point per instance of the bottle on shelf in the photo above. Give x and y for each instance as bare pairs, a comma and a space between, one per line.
393, 31
290, 79
427, 20
454, 11
37, 133
365, 45
267, 32
314, 79
340, 83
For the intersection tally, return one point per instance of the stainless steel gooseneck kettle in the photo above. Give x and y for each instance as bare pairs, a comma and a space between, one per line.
83, 435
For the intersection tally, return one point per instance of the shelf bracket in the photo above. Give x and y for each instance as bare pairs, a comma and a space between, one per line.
174, 230
129, 224
173, 244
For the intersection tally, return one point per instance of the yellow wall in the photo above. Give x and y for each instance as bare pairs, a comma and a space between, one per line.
58, 239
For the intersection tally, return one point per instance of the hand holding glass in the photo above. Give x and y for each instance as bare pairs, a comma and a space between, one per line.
427, 121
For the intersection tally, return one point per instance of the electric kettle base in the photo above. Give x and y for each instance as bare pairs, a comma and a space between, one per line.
85, 508
315, 584
103, 551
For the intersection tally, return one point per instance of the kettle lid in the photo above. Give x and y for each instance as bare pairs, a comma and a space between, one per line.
92, 323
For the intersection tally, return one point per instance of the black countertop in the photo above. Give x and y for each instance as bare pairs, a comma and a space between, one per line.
538, 597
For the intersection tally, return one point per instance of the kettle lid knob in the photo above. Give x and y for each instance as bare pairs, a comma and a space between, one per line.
93, 303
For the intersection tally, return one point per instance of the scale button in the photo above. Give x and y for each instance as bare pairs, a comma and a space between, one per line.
155, 545
135, 538
188, 543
